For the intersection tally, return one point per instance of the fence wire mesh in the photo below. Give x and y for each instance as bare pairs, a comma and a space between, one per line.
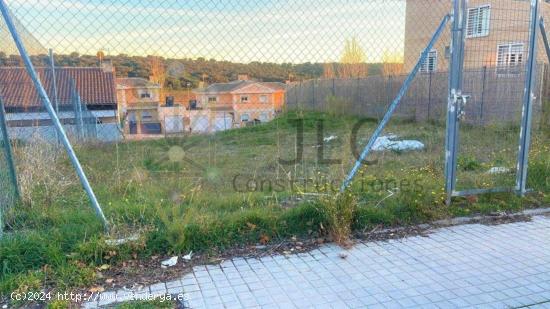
198, 104
8, 180
495, 78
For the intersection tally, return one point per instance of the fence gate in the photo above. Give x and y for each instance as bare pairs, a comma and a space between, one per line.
490, 101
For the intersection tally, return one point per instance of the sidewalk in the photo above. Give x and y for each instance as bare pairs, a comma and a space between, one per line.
498, 266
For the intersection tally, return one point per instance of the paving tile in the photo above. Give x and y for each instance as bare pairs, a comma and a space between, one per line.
462, 266
241, 288
191, 288
173, 284
248, 302
158, 287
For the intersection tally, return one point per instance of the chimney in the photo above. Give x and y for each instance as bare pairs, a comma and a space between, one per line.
242, 76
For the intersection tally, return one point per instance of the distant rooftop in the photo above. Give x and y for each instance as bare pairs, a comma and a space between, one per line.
136, 82
95, 86
235, 85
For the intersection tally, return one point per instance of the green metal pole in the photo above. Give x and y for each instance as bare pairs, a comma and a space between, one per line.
51, 111
8, 151
8, 154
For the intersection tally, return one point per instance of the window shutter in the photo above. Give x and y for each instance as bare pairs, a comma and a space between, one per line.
472, 16
484, 20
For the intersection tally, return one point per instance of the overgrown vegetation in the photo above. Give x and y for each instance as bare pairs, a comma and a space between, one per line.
40, 172
209, 193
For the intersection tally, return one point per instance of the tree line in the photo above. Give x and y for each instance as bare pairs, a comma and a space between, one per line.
182, 73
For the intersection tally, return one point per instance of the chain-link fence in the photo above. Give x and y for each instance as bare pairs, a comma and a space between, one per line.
209, 102
8, 178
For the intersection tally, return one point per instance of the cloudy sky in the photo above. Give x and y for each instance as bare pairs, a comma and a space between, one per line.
236, 30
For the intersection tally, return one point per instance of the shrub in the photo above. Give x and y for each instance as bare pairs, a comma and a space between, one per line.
340, 211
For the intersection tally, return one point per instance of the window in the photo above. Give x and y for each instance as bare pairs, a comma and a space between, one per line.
263, 99
430, 64
479, 19
264, 117
145, 95
509, 58
212, 99
245, 117
447, 52
244, 99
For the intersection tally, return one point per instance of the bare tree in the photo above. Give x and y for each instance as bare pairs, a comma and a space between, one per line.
353, 61
158, 72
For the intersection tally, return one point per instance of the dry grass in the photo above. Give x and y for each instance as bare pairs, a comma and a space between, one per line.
340, 210
39, 166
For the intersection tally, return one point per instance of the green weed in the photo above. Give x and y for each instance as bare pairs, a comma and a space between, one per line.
190, 201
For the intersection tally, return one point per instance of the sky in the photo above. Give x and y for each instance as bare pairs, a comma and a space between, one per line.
280, 31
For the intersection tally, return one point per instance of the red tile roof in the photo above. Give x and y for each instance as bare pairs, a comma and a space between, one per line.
95, 86
236, 85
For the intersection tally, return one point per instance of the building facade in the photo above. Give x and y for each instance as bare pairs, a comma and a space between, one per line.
139, 101
242, 102
497, 34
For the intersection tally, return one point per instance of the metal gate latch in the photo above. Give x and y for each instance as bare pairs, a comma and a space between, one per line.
461, 101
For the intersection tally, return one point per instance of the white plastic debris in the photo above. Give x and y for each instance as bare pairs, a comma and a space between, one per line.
330, 138
188, 257
498, 170
390, 142
170, 262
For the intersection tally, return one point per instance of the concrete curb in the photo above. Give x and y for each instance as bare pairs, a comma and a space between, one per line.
475, 219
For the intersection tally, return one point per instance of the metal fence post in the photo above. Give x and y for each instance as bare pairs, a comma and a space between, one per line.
296, 94
527, 115
54, 81
54, 86
53, 115
8, 154
545, 118
81, 127
313, 101
544, 37
8, 151
483, 85
80, 119
429, 93
455, 91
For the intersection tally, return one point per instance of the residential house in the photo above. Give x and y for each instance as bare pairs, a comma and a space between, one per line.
238, 103
497, 38
91, 90
139, 101
497, 34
